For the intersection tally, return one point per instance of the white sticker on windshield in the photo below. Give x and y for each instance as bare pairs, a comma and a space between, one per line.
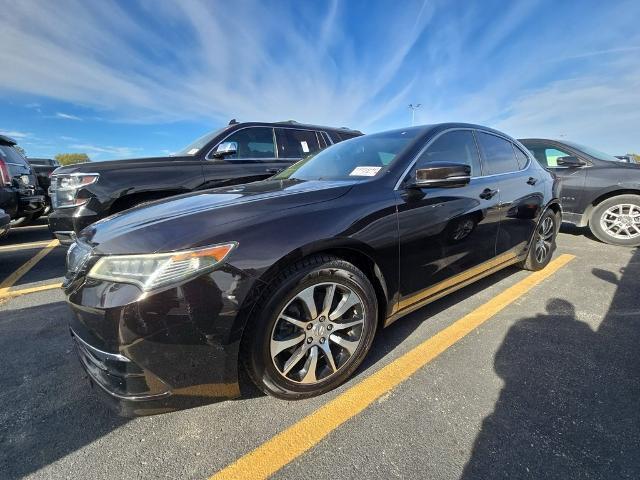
305, 147
193, 151
365, 171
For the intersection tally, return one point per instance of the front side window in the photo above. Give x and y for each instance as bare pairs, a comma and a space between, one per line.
294, 143
252, 143
547, 156
498, 154
358, 159
453, 147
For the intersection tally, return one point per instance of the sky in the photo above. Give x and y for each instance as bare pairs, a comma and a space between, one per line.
122, 79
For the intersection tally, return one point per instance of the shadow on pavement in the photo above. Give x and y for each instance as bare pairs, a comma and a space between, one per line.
48, 409
570, 407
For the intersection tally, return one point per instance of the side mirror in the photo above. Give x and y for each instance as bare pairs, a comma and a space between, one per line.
442, 174
570, 161
225, 149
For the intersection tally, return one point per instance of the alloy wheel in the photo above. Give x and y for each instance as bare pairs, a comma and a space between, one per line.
621, 221
317, 332
544, 239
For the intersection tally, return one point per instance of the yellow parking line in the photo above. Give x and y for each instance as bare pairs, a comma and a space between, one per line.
24, 246
24, 291
8, 282
289, 444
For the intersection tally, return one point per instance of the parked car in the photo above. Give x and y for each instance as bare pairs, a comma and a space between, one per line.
597, 189
290, 277
43, 168
239, 153
5, 224
20, 195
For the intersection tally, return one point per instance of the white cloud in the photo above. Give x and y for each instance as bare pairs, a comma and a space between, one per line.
15, 134
68, 116
100, 150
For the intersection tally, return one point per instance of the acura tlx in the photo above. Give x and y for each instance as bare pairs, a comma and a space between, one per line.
289, 278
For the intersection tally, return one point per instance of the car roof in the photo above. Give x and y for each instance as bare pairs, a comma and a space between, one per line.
437, 127
293, 123
7, 140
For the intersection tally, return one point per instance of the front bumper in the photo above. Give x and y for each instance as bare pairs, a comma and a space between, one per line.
30, 205
167, 351
64, 223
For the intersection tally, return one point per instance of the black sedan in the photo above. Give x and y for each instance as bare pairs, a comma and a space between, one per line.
290, 277
598, 190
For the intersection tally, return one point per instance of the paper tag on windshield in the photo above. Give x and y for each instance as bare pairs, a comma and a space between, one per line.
365, 171
305, 147
193, 151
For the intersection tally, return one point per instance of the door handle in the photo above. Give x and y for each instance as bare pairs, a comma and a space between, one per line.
532, 181
274, 170
488, 194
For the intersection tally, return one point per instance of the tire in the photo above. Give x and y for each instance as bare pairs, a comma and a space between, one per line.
274, 368
602, 222
543, 243
21, 221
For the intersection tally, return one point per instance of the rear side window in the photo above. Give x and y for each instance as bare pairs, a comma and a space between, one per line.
453, 147
294, 143
521, 158
16, 164
498, 154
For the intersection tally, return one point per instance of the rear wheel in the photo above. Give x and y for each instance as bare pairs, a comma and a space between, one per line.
314, 329
616, 220
543, 243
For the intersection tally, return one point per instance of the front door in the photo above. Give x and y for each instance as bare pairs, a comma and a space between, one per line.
446, 234
572, 179
255, 159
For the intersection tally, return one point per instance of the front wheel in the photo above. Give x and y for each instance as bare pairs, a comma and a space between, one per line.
314, 329
21, 221
616, 220
543, 243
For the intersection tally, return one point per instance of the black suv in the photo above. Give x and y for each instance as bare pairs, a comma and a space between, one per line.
239, 153
20, 195
597, 189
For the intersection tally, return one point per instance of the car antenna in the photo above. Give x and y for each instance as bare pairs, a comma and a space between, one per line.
233, 122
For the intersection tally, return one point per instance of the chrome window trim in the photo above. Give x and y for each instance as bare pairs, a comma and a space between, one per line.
480, 156
275, 143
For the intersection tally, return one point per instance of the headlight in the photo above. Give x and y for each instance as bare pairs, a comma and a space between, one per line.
64, 188
159, 269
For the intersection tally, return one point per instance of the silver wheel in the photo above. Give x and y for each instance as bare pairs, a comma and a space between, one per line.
621, 221
544, 239
317, 332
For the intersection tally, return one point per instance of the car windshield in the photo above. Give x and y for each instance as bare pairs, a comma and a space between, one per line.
195, 146
358, 158
592, 152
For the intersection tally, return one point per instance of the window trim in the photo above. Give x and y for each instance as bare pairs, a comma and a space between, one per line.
527, 165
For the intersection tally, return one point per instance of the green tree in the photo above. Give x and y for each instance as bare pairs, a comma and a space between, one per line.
71, 158
636, 157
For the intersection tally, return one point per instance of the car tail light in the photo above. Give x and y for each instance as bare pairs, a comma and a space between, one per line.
5, 178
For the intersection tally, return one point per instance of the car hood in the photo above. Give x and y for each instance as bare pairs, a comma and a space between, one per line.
202, 218
99, 167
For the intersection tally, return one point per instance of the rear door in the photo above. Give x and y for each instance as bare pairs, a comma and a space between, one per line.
256, 158
521, 194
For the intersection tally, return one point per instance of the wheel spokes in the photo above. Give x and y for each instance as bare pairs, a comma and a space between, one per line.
279, 346
293, 321
328, 355
344, 326
347, 301
348, 345
294, 359
309, 302
311, 366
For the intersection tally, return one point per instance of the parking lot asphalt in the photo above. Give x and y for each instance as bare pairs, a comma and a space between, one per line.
545, 386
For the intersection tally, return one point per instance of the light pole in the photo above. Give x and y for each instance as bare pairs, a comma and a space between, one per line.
413, 111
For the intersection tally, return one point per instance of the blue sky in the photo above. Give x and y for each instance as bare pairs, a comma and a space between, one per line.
124, 79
